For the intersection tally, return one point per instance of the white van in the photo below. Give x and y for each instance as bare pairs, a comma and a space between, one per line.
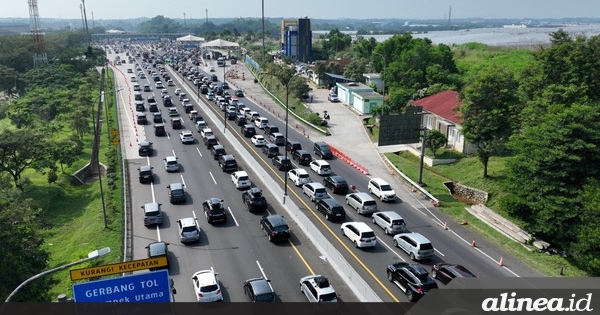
320, 167
261, 122
136, 87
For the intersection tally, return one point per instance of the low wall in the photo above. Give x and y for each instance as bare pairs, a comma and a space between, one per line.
427, 160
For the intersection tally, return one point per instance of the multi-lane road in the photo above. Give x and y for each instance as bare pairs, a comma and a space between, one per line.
238, 249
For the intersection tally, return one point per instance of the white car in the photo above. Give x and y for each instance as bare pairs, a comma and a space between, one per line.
186, 136
359, 233
258, 140
177, 91
240, 179
206, 132
299, 176
316, 288
206, 286
320, 167
381, 189
200, 125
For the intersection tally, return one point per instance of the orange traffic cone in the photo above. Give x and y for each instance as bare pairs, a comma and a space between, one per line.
473, 243
445, 225
501, 262
464, 222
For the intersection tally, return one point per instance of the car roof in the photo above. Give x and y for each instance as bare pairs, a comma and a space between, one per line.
363, 195
157, 248
379, 181
171, 158
240, 173
275, 219
259, 285
176, 186
361, 226
189, 221
205, 278
300, 171
390, 214
145, 168
417, 237
214, 200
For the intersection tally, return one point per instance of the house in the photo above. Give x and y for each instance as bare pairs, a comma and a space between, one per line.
358, 95
374, 78
440, 112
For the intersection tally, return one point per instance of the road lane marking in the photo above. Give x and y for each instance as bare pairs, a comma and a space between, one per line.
233, 217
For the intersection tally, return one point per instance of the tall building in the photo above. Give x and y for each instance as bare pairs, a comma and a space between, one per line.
296, 39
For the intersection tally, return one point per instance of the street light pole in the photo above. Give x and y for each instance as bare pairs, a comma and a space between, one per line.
92, 255
287, 112
223, 87
383, 79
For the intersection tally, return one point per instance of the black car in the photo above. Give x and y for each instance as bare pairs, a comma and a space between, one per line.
275, 227
141, 119
217, 150
248, 130
271, 129
146, 174
240, 120
270, 150
446, 272
139, 106
254, 199
158, 249
291, 146
145, 148
259, 290
167, 102
303, 157
411, 278
214, 210
159, 130
239, 93
322, 150
228, 163
336, 183
157, 118
282, 163
176, 123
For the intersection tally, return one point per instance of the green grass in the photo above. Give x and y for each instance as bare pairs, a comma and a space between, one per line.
468, 171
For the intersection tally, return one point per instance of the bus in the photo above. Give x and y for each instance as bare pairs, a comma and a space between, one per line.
221, 62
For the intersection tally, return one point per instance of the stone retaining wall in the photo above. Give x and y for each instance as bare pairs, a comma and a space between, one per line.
470, 193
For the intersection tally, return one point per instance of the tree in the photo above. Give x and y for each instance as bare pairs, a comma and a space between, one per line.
21, 255
20, 150
488, 112
435, 140
355, 70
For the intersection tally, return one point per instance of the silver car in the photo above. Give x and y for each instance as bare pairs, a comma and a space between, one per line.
314, 191
189, 231
390, 221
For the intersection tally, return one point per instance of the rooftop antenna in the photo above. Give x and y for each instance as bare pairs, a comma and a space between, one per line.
449, 15
207, 16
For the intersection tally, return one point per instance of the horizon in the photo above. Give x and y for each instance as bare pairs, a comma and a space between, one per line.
313, 9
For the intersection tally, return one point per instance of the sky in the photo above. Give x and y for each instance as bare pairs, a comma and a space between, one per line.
315, 9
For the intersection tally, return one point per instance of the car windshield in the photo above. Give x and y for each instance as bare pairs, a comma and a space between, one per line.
386, 187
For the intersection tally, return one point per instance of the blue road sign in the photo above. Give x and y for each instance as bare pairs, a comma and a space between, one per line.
145, 287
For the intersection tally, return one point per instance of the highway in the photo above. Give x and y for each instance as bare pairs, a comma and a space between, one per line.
238, 249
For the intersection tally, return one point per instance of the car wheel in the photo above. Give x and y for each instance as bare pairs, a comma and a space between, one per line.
386, 231
410, 295
343, 233
412, 256
316, 206
327, 217
301, 290
270, 238
347, 202
370, 192
434, 274
389, 276
262, 227
355, 244
395, 243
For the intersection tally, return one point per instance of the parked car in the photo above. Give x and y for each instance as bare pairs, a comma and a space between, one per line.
206, 286
299, 176
412, 278
275, 227
214, 210
359, 233
332, 97
445, 272
336, 183
254, 199
259, 290
317, 288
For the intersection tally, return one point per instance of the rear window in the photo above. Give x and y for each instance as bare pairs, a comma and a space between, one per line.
190, 228
426, 246
281, 228
370, 203
177, 192
209, 288
320, 190
243, 178
368, 234
152, 213
397, 222
386, 187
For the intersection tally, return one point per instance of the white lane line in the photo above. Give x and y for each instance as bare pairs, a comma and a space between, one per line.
262, 271
213, 178
391, 249
183, 181
233, 217
199, 153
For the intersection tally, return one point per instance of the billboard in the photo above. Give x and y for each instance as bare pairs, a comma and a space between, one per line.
401, 129
145, 287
